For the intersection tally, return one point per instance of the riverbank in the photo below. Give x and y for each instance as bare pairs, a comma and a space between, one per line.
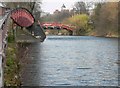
11, 68
110, 35
11, 71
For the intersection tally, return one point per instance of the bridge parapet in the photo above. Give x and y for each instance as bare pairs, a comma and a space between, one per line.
57, 25
3, 43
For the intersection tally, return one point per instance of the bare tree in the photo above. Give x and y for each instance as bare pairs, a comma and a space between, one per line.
37, 10
106, 18
80, 7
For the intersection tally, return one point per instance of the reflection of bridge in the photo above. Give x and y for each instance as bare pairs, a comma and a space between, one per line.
57, 26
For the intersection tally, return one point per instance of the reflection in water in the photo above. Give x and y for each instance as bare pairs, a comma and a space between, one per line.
72, 61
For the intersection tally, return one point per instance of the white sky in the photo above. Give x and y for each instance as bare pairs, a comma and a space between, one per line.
51, 5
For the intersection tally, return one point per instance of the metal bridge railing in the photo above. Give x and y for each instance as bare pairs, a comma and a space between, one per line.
3, 42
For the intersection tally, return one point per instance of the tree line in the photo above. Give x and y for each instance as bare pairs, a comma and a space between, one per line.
106, 19
102, 20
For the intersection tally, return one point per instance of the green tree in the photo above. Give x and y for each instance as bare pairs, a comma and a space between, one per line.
80, 22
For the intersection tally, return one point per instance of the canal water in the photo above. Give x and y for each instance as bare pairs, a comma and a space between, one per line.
72, 61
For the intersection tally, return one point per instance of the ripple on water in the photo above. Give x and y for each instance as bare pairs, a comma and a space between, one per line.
73, 61
84, 68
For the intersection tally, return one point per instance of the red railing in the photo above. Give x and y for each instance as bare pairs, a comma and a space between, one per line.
54, 25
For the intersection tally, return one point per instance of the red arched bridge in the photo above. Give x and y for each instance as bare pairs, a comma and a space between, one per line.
55, 25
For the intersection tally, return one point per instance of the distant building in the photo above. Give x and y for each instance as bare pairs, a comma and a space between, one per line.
56, 11
63, 7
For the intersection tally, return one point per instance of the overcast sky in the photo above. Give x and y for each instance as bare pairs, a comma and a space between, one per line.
51, 5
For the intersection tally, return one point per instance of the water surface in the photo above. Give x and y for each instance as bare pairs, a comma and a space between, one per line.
72, 61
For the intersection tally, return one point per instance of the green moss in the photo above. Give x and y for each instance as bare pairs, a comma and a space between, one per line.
11, 71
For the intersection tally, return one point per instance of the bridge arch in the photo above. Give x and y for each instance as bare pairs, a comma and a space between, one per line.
57, 26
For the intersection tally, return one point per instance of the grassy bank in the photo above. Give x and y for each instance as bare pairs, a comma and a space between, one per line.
11, 69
